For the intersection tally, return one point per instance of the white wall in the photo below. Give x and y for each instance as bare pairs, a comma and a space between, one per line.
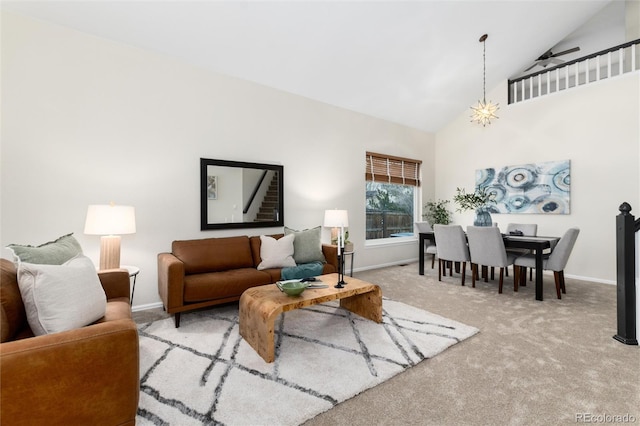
88, 121
595, 126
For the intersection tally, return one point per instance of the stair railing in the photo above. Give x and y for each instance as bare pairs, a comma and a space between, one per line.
255, 191
626, 228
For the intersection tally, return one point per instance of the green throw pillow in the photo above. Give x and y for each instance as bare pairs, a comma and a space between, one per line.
52, 253
307, 246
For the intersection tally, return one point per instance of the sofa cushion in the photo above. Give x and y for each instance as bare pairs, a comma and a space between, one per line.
222, 285
307, 245
276, 253
213, 254
61, 297
13, 316
51, 253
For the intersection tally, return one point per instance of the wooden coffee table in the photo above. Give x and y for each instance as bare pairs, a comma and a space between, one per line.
260, 306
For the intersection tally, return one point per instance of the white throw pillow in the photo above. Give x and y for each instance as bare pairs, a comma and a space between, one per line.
276, 253
61, 297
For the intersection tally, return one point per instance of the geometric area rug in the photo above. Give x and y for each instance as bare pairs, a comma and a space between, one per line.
204, 373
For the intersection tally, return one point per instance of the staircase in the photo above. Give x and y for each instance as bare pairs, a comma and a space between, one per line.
268, 211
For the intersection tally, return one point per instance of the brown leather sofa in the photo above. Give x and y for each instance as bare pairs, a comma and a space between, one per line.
213, 271
84, 376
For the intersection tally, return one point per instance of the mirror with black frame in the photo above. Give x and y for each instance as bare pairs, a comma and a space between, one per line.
236, 194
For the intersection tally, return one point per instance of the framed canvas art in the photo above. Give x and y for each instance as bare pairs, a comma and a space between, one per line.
529, 188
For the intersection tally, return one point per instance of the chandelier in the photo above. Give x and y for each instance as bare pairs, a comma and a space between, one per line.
485, 111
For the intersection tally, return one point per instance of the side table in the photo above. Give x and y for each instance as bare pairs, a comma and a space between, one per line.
133, 273
349, 253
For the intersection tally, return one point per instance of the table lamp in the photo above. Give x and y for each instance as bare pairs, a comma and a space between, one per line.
110, 221
338, 219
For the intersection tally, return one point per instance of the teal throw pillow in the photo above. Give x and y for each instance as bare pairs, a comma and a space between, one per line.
307, 246
52, 253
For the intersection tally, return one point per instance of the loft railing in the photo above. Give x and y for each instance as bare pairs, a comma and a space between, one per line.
626, 228
608, 63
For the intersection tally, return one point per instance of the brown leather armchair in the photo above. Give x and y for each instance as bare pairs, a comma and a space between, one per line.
88, 375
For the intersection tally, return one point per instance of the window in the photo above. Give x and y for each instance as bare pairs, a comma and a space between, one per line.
391, 195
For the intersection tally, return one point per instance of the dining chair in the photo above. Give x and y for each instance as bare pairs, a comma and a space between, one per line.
555, 261
528, 230
429, 248
486, 247
452, 247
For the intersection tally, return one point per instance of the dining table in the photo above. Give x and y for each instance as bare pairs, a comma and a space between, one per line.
536, 244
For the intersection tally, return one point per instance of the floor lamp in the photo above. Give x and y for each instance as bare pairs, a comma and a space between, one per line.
338, 219
110, 221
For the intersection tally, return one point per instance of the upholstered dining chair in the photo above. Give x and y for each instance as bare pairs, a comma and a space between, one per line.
487, 248
452, 247
528, 230
429, 247
555, 261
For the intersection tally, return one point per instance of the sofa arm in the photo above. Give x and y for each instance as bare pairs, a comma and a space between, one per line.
170, 281
88, 375
115, 283
331, 254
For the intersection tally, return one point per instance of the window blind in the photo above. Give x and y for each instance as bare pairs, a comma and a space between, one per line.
390, 169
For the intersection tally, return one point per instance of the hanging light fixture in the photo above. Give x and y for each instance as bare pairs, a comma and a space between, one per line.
484, 111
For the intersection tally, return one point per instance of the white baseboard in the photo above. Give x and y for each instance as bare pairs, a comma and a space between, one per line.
384, 265
136, 308
402, 262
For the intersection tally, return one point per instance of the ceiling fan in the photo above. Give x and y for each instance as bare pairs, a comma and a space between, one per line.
549, 57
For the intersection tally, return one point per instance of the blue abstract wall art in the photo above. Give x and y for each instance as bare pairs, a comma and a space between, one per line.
528, 188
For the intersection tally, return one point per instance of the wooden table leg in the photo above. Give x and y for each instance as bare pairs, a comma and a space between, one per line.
420, 255
257, 326
539, 282
367, 305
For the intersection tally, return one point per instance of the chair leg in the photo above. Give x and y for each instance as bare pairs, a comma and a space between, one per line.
464, 270
562, 287
439, 269
500, 282
433, 260
523, 276
530, 274
515, 278
474, 274
492, 273
556, 275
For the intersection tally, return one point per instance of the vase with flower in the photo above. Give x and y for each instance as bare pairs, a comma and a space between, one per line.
479, 201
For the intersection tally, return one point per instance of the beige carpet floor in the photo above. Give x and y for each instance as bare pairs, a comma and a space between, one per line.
533, 363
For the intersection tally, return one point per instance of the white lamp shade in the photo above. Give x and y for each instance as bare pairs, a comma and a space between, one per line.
109, 219
336, 218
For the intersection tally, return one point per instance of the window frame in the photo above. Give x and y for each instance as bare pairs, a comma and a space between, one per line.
395, 174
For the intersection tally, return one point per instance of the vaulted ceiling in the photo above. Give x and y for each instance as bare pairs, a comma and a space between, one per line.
417, 63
